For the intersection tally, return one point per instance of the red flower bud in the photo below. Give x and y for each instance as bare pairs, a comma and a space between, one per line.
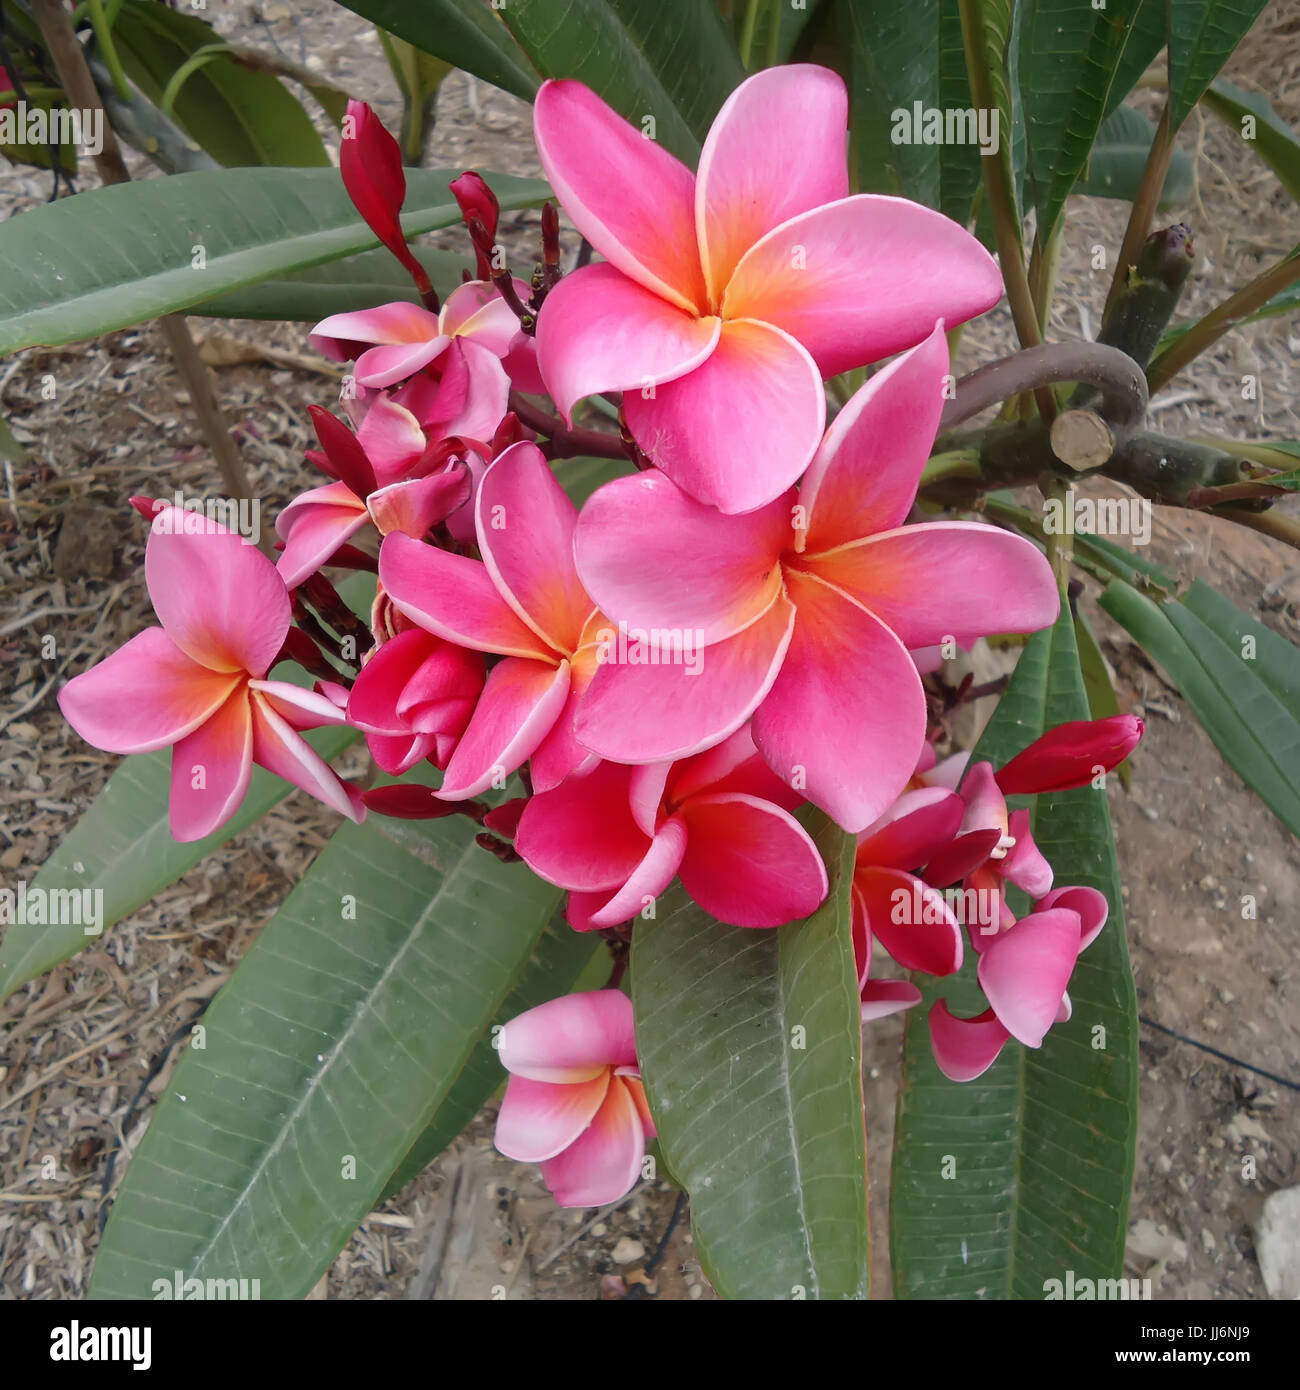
477, 200
1069, 755
370, 161
408, 801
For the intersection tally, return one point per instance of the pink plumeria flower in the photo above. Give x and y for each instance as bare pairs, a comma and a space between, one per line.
890, 904
523, 602
1024, 974
387, 474
727, 296
805, 609
617, 836
198, 681
575, 1102
414, 699
475, 327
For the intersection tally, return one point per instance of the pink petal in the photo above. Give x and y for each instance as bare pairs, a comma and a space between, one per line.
911, 920
398, 322
1024, 972
653, 557
724, 767
581, 835
525, 524
863, 278
560, 755
539, 1119
880, 998
599, 331
219, 599
846, 717
778, 147
473, 396
477, 310
1091, 905
947, 773
417, 504
983, 826
648, 714
520, 702
391, 437
942, 578
572, 1038
965, 1048
750, 863
1025, 864
386, 366
913, 830
300, 708
645, 789
627, 195
313, 526
211, 769
279, 749
604, 1164
413, 663
865, 475
739, 429
649, 878
146, 695
454, 597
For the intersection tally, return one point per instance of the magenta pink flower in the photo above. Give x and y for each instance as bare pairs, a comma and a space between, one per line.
474, 333
1023, 973
805, 609
574, 1102
523, 602
727, 296
387, 474
198, 681
617, 836
414, 698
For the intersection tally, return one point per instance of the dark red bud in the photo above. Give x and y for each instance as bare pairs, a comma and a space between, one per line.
504, 819
407, 801
478, 203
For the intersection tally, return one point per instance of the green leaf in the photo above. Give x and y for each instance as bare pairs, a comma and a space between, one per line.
775, 42
1251, 720
123, 848
761, 1123
556, 965
357, 282
901, 55
1102, 700
239, 116
253, 225
1044, 1141
466, 33
1275, 661
1273, 140
1114, 168
1202, 37
323, 1060
671, 60
1069, 55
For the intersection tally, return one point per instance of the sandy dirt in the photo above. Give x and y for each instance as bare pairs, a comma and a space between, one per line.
76, 1045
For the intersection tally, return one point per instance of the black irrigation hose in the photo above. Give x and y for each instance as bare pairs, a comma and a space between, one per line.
1222, 1056
158, 1064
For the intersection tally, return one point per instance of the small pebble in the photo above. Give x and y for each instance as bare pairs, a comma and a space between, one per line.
627, 1251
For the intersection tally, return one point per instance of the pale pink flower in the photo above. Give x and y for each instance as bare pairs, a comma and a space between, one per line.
617, 836
574, 1102
728, 295
804, 609
524, 602
198, 681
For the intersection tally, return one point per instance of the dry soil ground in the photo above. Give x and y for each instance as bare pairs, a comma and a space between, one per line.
75, 1046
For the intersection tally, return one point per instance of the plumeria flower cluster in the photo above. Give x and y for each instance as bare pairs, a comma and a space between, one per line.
735, 628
